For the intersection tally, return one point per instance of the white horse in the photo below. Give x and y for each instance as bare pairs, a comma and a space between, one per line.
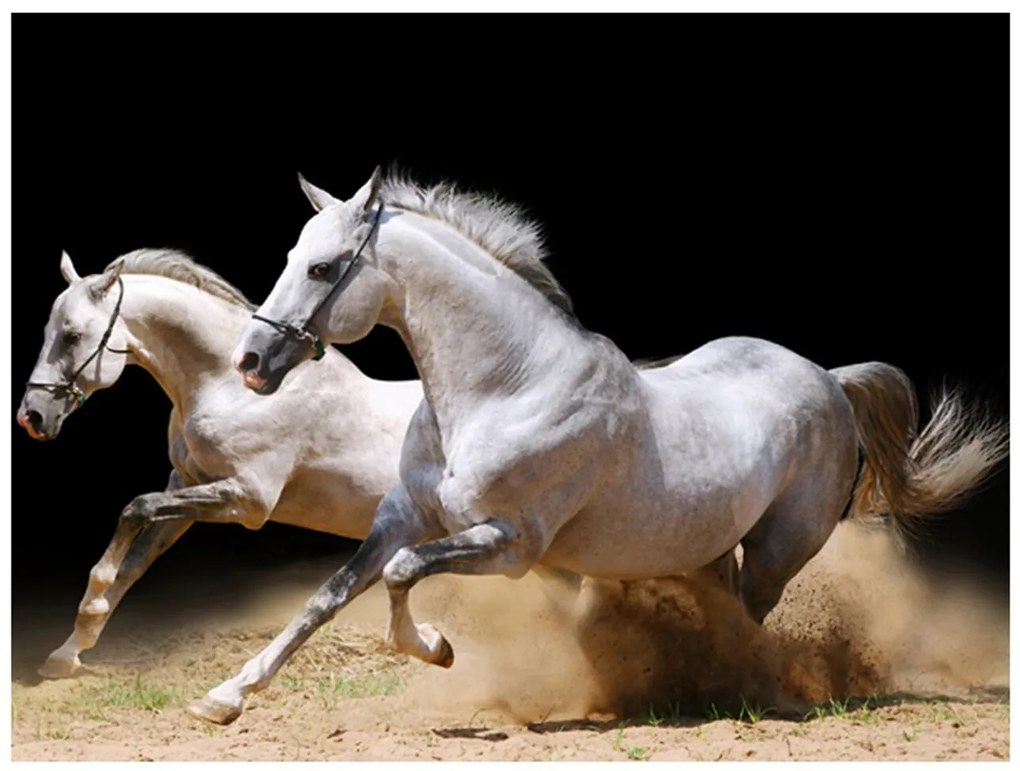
540, 443
319, 456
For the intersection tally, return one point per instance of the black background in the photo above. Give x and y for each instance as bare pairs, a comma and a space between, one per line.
835, 183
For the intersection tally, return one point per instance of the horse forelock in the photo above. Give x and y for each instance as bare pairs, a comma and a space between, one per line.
178, 266
497, 226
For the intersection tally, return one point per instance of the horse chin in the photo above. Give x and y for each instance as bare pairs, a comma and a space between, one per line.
254, 381
52, 431
41, 437
265, 386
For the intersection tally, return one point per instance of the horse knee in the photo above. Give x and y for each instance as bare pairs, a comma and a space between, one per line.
139, 512
101, 576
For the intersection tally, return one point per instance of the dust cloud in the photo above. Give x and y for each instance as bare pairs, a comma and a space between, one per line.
858, 621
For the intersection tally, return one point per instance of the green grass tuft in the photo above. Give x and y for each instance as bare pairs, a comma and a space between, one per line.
137, 695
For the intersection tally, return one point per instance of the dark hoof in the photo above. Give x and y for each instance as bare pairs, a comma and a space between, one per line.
445, 659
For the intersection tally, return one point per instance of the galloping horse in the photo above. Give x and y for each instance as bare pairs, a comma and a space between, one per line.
236, 457
539, 442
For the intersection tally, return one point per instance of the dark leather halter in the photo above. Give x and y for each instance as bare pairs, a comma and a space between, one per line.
70, 387
303, 332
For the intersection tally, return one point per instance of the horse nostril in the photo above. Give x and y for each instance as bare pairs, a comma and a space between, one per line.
36, 420
31, 421
248, 362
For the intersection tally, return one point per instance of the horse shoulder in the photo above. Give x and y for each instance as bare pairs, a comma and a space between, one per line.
545, 455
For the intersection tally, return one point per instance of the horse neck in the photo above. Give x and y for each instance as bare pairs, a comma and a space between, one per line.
473, 327
178, 333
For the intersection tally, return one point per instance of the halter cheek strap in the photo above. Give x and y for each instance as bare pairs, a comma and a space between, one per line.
303, 332
70, 387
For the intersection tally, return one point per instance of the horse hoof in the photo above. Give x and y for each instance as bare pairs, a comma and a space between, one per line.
445, 659
214, 711
434, 641
57, 667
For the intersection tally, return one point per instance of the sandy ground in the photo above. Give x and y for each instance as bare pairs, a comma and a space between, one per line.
863, 659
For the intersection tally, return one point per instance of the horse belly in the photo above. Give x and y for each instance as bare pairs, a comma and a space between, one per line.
630, 538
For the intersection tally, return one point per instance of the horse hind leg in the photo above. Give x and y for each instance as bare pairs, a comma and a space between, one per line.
722, 573
792, 530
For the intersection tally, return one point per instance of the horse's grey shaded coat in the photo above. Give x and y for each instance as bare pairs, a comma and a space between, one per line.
539, 443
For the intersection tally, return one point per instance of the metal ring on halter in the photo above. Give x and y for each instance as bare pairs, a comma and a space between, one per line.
71, 387
302, 332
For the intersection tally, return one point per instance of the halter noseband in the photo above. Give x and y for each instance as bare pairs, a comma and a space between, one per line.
302, 332
70, 387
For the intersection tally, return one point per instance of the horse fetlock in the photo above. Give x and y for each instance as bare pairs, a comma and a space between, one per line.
100, 578
96, 606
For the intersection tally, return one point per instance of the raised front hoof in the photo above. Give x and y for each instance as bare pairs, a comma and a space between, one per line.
215, 711
445, 659
440, 651
58, 667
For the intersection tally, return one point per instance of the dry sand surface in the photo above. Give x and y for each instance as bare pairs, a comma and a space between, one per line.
862, 660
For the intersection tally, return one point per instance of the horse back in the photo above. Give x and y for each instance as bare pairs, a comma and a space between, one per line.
742, 408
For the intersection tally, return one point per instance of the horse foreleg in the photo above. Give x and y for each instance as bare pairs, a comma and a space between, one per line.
245, 501
482, 549
154, 521
396, 524
95, 607
101, 598
226, 500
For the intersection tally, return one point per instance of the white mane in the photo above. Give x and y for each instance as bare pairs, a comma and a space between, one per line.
176, 265
495, 225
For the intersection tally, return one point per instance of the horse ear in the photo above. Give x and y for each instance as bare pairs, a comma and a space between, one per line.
67, 269
109, 277
318, 197
366, 197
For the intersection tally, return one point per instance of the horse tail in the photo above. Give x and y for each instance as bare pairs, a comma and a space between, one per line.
907, 475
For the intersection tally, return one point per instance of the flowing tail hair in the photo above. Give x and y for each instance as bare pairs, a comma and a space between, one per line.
908, 476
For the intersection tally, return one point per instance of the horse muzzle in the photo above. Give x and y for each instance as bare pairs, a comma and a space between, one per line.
32, 422
264, 360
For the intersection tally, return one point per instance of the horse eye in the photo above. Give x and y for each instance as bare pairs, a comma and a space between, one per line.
319, 269
71, 338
